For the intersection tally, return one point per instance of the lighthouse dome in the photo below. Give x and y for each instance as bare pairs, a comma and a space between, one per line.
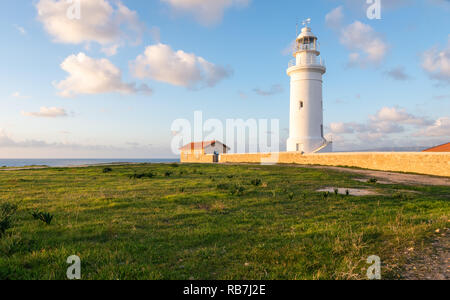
306, 32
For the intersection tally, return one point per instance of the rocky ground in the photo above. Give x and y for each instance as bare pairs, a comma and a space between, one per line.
430, 263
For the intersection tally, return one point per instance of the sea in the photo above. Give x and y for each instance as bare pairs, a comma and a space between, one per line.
76, 162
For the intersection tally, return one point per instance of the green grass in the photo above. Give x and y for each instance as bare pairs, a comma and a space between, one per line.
211, 222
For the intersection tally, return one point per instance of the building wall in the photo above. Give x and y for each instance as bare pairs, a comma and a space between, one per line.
423, 163
187, 157
220, 148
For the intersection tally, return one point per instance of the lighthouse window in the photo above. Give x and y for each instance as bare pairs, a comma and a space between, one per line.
301, 104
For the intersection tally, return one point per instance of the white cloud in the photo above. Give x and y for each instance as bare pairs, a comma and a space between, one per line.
398, 115
100, 22
93, 76
159, 62
12, 147
18, 95
110, 51
20, 29
206, 12
367, 47
398, 73
379, 127
274, 90
335, 18
441, 128
47, 112
437, 63
342, 128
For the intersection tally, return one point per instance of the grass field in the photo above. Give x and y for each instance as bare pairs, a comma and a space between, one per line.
211, 222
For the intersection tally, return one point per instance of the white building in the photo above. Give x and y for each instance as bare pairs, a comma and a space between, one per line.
306, 110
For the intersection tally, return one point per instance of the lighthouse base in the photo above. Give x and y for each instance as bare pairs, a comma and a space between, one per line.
312, 145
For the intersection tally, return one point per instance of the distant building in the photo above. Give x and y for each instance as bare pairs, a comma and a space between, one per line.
441, 148
201, 148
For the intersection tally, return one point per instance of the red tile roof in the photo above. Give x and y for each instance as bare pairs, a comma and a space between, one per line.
197, 146
441, 148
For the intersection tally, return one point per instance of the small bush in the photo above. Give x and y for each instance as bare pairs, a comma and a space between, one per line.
142, 175
256, 182
174, 165
45, 217
402, 196
347, 193
10, 244
291, 196
7, 211
336, 192
107, 170
373, 180
168, 174
36, 214
325, 195
237, 190
223, 186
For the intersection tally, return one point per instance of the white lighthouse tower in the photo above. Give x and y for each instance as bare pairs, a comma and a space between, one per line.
306, 116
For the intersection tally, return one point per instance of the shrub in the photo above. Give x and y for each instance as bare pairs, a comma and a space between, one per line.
336, 192
291, 196
223, 186
107, 170
10, 244
256, 182
168, 174
7, 211
373, 180
142, 175
36, 214
326, 195
237, 190
45, 217
402, 196
174, 165
347, 193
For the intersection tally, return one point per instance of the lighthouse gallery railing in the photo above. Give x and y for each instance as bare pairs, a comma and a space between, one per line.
307, 62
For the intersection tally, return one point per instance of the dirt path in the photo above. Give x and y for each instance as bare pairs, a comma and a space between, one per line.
391, 177
431, 263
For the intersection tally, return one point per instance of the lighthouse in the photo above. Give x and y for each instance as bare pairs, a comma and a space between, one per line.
306, 105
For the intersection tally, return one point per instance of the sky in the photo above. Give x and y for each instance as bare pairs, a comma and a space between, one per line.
108, 80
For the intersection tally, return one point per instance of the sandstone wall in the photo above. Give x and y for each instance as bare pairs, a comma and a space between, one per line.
423, 163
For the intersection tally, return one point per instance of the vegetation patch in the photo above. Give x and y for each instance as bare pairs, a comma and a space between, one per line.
188, 226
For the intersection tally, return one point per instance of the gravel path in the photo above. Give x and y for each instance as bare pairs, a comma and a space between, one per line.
432, 263
391, 177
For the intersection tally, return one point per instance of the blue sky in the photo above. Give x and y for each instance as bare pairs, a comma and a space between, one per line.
394, 92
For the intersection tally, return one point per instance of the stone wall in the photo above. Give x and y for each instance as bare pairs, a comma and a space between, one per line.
423, 163
197, 158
